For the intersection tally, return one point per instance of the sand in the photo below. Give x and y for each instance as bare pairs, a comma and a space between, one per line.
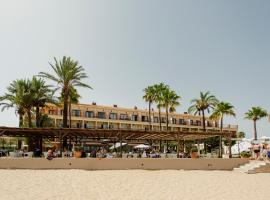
132, 184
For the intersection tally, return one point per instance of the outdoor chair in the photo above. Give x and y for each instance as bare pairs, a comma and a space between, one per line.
29, 154
13, 154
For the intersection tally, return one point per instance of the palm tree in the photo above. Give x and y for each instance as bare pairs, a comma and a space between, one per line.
19, 96
13, 99
73, 98
170, 102
204, 103
222, 109
42, 94
159, 100
255, 114
68, 74
149, 96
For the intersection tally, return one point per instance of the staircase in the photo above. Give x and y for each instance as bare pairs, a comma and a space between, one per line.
251, 167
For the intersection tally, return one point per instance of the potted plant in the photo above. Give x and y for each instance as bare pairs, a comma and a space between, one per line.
245, 154
78, 151
194, 152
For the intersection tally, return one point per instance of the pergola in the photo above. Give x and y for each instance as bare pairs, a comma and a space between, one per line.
119, 135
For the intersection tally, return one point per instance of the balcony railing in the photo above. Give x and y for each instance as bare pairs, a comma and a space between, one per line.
185, 123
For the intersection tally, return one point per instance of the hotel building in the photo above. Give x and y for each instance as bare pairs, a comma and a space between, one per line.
106, 117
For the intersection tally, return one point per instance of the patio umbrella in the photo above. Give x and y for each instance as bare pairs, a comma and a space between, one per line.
242, 146
265, 138
142, 146
117, 145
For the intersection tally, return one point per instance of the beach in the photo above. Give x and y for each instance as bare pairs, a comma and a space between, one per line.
132, 184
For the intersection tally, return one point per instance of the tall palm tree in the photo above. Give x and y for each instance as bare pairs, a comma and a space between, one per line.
13, 99
222, 109
170, 102
255, 114
68, 74
159, 99
42, 94
205, 102
19, 96
149, 96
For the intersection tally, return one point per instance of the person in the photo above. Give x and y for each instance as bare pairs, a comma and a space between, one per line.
50, 154
264, 152
256, 149
268, 153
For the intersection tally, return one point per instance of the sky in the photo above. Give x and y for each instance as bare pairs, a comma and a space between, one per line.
202, 45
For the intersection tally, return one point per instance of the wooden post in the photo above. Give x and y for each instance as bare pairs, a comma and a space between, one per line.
40, 144
178, 146
230, 146
220, 147
61, 143
121, 150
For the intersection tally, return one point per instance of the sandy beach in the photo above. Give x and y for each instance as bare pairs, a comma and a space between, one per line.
132, 184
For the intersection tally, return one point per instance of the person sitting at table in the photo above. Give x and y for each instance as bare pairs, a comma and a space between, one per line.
50, 155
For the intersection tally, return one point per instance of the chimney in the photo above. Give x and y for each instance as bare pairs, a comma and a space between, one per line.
185, 113
135, 107
114, 105
94, 103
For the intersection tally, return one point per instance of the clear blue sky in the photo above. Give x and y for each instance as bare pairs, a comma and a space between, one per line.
220, 46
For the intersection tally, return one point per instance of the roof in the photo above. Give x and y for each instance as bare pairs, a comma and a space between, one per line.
112, 134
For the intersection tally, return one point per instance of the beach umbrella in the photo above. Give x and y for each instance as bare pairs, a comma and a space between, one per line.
265, 138
241, 147
142, 146
117, 145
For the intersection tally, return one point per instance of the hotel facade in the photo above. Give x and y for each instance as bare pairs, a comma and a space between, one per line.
93, 116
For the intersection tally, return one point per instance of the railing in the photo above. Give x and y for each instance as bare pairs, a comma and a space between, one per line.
186, 123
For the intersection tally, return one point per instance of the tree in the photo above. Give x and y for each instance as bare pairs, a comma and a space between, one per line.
41, 94
222, 109
241, 134
255, 114
205, 102
68, 74
159, 98
46, 122
149, 96
19, 96
73, 98
170, 102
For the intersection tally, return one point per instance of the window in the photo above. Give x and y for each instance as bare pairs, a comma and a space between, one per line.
113, 116
173, 120
155, 119
89, 114
123, 116
144, 119
163, 120
51, 112
191, 122
134, 118
199, 123
181, 121
76, 113
101, 115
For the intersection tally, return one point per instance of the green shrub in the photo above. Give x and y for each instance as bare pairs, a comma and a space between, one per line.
194, 149
78, 148
245, 154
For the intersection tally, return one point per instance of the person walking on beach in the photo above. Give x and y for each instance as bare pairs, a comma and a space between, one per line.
256, 149
264, 152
